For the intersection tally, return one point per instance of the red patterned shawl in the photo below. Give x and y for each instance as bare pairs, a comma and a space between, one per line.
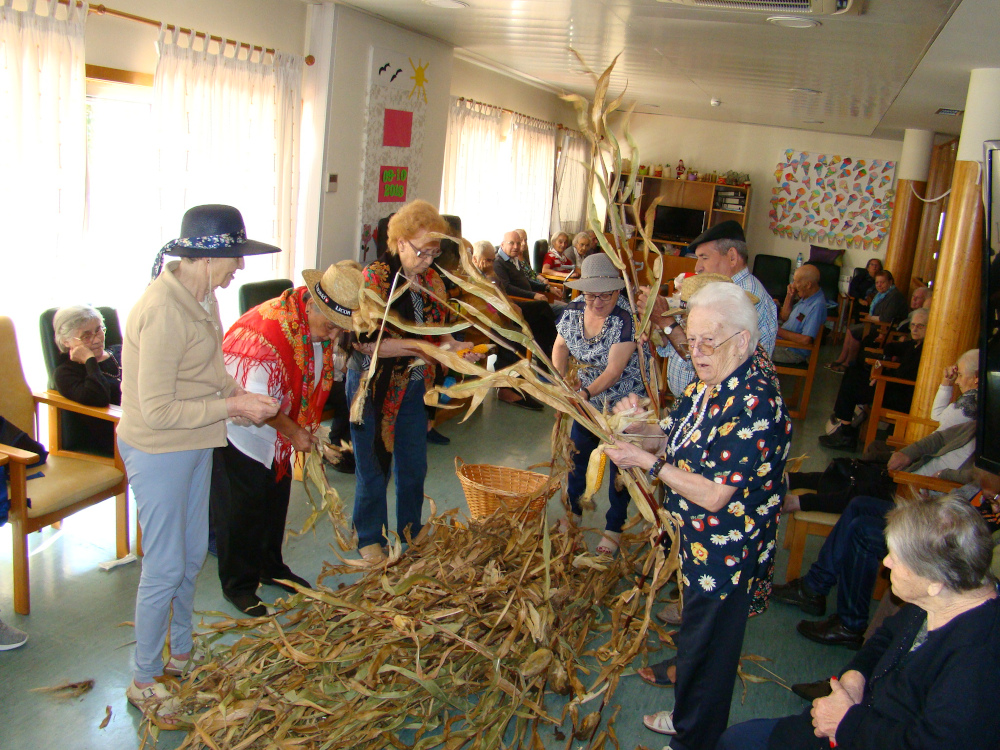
275, 335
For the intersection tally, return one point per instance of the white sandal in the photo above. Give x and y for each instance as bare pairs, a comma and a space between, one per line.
608, 545
662, 722
159, 706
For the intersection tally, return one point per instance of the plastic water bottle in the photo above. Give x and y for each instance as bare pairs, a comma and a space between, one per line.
798, 261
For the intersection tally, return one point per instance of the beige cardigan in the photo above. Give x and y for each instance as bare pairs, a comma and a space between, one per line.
174, 382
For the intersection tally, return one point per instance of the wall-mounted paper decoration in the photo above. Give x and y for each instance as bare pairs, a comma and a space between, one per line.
392, 185
397, 127
832, 200
394, 135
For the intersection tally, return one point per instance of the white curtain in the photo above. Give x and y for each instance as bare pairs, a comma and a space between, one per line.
533, 163
42, 164
572, 171
498, 172
470, 187
227, 131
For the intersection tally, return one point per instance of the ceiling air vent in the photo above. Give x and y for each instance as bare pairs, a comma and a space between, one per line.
807, 7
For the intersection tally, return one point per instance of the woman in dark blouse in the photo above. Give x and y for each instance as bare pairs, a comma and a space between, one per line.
88, 373
720, 455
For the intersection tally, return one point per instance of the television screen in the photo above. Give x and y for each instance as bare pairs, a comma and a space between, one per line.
678, 224
987, 440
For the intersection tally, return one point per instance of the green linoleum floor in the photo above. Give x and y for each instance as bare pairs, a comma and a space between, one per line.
77, 625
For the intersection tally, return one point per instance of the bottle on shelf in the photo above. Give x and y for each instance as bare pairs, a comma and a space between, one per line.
798, 261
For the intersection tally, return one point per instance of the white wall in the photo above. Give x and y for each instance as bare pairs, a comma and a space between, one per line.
356, 33
717, 146
490, 87
127, 45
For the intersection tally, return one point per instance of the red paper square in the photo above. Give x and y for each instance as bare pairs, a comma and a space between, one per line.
397, 127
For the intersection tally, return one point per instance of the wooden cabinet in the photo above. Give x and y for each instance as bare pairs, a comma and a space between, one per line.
719, 202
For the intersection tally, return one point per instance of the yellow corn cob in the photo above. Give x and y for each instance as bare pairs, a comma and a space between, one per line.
478, 349
595, 474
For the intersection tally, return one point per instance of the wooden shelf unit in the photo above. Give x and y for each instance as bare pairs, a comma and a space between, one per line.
710, 197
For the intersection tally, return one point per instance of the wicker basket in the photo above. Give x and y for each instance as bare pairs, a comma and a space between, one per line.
489, 488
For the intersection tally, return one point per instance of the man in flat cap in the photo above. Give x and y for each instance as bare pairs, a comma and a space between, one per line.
720, 249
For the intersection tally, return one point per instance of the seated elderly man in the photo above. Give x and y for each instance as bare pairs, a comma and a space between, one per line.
512, 272
927, 677
722, 249
803, 315
850, 555
856, 389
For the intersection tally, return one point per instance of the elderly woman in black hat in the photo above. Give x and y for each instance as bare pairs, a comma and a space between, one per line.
597, 331
176, 398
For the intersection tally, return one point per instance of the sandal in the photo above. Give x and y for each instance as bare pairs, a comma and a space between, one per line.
662, 722
836, 367
661, 677
159, 706
608, 546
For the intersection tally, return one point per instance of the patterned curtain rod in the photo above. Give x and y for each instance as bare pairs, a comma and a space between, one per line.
534, 120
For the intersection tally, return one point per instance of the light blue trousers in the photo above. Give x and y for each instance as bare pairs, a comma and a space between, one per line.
171, 497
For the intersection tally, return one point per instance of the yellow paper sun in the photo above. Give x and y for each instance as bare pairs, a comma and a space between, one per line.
419, 78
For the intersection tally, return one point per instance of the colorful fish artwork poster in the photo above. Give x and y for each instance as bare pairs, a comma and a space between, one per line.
835, 201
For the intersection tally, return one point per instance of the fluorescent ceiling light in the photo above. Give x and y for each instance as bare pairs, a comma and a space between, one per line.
950, 112
801, 90
450, 4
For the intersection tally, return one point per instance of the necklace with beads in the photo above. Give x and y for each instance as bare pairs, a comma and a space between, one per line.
117, 376
682, 435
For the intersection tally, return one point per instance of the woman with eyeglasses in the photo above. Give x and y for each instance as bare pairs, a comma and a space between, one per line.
88, 373
394, 414
720, 455
597, 331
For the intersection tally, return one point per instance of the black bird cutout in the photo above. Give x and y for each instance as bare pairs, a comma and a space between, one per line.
383, 69
398, 71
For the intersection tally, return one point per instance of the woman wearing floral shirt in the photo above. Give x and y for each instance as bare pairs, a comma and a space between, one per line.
721, 456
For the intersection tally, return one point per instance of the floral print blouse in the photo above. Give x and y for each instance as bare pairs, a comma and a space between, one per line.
741, 438
592, 354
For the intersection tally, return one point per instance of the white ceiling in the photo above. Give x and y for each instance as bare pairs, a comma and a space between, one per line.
889, 68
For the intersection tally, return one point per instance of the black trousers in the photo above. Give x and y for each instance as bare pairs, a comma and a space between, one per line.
824, 502
248, 510
340, 428
708, 653
855, 389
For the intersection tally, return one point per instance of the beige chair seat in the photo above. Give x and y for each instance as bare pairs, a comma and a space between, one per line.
818, 517
67, 481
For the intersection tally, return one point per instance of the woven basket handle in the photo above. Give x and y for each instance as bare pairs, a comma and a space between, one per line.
459, 463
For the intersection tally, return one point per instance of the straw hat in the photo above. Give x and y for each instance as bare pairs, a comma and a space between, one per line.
336, 291
597, 274
693, 284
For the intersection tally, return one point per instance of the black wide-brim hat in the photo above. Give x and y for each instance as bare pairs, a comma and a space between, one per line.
727, 230
215, 231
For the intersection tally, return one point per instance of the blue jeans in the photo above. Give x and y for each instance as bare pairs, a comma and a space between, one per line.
409, 466
850, 558
576, 485
750, 735
171, 499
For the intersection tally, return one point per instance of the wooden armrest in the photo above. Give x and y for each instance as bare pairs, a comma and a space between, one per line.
17, 455
887, 379
935, 484
792, 345
56, 399
885, 364
898, 416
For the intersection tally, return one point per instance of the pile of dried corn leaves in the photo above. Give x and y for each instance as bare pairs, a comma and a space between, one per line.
461, 644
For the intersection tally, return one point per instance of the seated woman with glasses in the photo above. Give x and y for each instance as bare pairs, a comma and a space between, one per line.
597, 330
87, 372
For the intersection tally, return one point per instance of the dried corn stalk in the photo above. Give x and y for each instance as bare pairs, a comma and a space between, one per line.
461, 643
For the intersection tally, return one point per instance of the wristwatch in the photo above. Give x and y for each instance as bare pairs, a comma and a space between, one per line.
667, 329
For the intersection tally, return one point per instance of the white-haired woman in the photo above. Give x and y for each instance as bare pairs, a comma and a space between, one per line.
557, 259
927, 677
88, 373
720, 455
176, 398
581, 247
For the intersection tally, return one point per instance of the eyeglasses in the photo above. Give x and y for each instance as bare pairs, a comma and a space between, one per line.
915, 326
705, 347
431, 251
91, 336
603, 296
